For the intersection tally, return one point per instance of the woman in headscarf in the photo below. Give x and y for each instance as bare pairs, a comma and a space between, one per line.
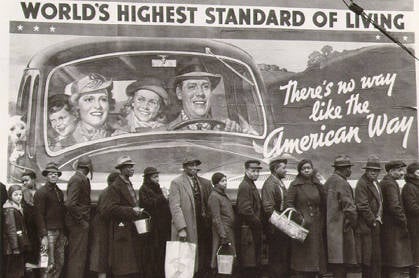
307, 196
154, 202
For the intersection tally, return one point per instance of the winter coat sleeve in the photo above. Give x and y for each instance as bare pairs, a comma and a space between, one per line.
39, 203
175, 209
361, 200
344, 196
410, 202
10, 228
73, 193
113, 207
290, 201
149, 200
214, 205
244, 205
268, 198
392, 203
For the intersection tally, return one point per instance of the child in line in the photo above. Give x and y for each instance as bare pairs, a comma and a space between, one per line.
15, 237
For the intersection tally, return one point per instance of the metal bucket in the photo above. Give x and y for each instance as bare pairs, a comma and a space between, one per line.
225, 261
143, 226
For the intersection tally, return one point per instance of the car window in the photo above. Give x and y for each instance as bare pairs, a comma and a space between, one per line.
132, 94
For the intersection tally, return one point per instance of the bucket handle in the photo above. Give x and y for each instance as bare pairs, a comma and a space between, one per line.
148, 214
221, 246
291, 210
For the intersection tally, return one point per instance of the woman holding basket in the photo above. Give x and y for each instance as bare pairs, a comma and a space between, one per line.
306, 195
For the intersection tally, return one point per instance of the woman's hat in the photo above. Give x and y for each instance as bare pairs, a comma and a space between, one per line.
197, 71
373, 162
215, 179
150, 171
51, 168
88, 84
124, 160
148, 83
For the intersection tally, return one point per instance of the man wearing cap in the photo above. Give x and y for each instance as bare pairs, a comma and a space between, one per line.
369, 203
49, 203
78, 217
273, 199
249, 205
396, 248
188, 201
121, 204
341, 218
194, 85
148, 100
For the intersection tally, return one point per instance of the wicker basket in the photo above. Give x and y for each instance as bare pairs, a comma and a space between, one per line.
284, 223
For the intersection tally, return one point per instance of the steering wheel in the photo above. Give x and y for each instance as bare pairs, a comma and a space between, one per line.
212, 122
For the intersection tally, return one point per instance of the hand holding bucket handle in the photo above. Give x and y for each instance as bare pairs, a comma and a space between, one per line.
291, 210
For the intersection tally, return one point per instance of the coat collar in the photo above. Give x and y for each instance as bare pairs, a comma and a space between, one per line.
11, 204
372, 187
220, 191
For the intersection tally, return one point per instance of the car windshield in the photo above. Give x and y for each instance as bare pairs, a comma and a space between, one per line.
132, 94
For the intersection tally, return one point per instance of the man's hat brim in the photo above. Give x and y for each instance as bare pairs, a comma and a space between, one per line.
213, 78
46, 171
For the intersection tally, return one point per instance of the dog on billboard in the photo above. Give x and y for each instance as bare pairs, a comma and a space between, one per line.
17, 138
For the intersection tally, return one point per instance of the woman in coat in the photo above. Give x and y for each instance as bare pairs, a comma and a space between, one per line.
152, 199
307, 196
222, 214
100, 239
410, 196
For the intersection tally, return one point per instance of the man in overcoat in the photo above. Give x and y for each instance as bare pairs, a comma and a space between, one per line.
77, 218
341, 218
396, 248
249, 206
121, 204
273, 199
188, 201
369, 202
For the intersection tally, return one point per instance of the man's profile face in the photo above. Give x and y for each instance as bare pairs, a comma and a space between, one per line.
28, 182
281, 170
127, 170
252, 171
195, 97
191, 169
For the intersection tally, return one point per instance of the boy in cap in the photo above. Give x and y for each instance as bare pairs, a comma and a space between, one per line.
369, 202
249, 205
78, 217
188, 201
273, 199
49, 203
396, 248
341, 218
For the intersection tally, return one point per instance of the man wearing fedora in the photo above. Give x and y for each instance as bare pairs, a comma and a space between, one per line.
194, 85
121, 204
396, 247
369, 203
188, 201
341, 218
49, 203
274, 193
78, 217
249, 206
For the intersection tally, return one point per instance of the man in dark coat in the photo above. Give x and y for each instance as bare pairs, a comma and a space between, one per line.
78, 217
273, 199
341, 218
396, 248
249, 205
188, 201
120, 203
369, 202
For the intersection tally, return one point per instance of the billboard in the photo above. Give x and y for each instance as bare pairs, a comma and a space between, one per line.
221, 81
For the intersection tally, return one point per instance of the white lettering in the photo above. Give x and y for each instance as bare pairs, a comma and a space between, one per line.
379, 124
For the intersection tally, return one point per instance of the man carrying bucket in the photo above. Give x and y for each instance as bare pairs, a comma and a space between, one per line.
121, 205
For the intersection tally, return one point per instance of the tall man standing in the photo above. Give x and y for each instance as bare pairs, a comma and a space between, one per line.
49, 203
249, 205
341, 218
396, 247
369, 202
188, 201
78, 217
273, 199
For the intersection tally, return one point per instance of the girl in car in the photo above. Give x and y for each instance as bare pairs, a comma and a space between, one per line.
147, 102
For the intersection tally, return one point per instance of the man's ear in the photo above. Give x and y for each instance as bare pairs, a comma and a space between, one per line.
178, 93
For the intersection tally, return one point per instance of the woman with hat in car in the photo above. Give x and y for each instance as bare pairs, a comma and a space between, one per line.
91, 97
410, 195
152, 199
120, 204
307, 196
148, 101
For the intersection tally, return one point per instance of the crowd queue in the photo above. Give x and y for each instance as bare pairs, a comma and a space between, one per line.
373, 230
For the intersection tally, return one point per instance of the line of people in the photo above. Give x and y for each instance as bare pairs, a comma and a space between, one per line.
372, 229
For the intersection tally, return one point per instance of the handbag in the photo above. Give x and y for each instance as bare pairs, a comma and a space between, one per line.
180, 259
284, 223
